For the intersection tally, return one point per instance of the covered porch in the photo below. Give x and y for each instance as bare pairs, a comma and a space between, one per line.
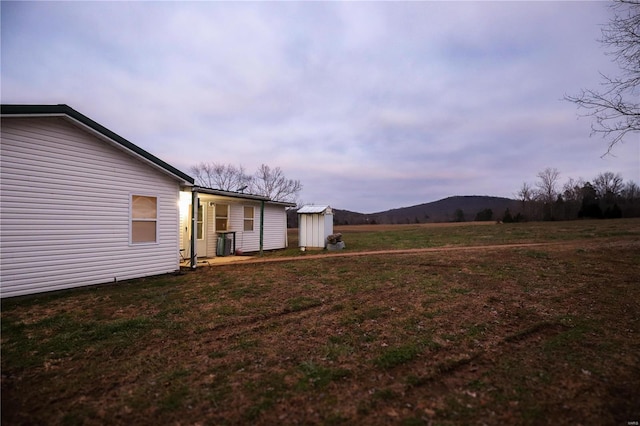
217, 226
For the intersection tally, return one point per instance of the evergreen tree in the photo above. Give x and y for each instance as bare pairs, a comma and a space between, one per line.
459, 216
507, 218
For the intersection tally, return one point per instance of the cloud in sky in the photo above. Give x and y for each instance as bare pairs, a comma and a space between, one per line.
371, 105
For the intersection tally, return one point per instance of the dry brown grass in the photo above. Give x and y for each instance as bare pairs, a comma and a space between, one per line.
489, 335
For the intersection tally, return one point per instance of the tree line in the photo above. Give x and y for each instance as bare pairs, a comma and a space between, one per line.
607, 195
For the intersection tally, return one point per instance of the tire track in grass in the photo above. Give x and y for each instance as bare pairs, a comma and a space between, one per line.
450, 367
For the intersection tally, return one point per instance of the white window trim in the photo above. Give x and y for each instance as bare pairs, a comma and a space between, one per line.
253, 219
228, 217
156, 220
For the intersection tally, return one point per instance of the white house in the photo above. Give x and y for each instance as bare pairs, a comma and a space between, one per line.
80, 205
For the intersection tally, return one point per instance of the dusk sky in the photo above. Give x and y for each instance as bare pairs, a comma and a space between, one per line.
371, 105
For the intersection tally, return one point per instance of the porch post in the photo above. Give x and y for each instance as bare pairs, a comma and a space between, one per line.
194, 229
261, 226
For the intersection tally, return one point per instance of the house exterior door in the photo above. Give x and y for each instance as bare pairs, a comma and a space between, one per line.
200, 232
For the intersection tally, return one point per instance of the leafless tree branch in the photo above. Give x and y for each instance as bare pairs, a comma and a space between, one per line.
615, 109
267, 181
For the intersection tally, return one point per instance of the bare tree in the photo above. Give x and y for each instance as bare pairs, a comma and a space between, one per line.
272, 183
608, 185
226, 177
525, 193
547, 185
547, 191
572, 190
615, 109
631, 199
572, 193
268, 182
631, 191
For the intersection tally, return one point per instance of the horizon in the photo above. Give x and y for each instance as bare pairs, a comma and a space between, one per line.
420, 204
369, 105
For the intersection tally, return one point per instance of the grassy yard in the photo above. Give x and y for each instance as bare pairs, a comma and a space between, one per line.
530, 335
417, 236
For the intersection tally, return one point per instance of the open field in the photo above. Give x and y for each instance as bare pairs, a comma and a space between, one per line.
435, 235
546, 334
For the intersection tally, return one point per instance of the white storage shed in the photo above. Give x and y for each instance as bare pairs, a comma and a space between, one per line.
315, 224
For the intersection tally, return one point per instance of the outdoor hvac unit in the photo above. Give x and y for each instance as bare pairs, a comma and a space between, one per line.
223, 247
315, 224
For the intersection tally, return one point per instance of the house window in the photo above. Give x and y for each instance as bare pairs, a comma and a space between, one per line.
222, 217
248, 218
144, 219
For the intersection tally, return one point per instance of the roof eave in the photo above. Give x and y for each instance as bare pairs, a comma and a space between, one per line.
233, 194
222, 193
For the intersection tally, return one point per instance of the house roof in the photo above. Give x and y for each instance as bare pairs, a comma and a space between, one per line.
315, 209
220, 192
283, 203
63, 110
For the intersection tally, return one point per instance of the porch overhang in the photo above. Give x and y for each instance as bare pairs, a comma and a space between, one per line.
232, 194
196, 191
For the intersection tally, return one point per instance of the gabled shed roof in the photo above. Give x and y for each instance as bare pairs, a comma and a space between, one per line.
315, 209
62, 110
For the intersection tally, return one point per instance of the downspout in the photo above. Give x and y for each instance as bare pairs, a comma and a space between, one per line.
194, 224
261, 226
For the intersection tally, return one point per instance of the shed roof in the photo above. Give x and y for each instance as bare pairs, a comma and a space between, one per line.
315, 209
62, 110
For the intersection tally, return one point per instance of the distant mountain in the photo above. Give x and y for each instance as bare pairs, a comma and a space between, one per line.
449, 209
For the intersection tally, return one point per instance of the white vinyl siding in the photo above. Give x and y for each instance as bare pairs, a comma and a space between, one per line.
211, 232
65, 217
275, 224
275, 227
184, 206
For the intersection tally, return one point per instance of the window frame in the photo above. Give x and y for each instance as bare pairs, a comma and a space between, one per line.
246, 219
133, 219
226, 217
